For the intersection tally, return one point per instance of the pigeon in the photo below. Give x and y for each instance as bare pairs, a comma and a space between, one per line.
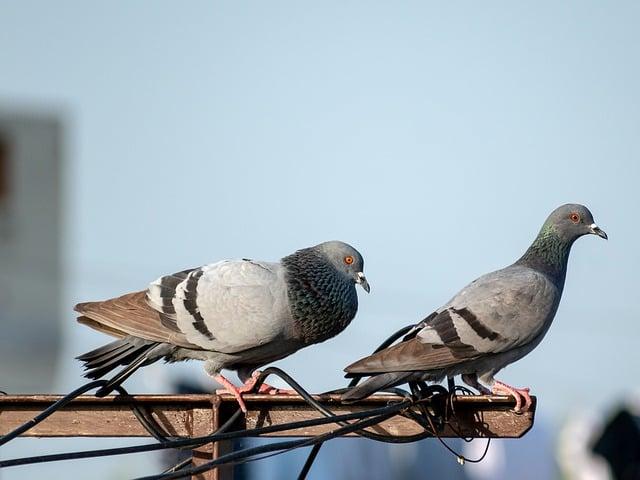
492, 322
233, 314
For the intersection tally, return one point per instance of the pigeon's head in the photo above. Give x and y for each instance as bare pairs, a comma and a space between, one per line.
346, 259
572, 221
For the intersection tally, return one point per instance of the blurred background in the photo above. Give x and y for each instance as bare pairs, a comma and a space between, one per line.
138, 139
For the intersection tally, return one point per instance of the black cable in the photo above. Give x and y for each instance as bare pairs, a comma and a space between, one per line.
418, 390
314, 451
423, 398
198, 441
144, 417
451, 384
49, 410
328, 413
354, 381
461, 458
424, 391
403, 331
141, 414
309, 462
179, 466
244, 454
294, 385
391, 410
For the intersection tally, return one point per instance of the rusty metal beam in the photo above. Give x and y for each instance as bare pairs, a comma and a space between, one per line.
194, 415
200, 415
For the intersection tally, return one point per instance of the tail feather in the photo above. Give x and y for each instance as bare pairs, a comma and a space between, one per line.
101, 351
374, 384
100, 366
130, 351
149, 356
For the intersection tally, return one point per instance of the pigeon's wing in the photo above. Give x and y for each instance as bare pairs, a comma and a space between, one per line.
229, 306
129, 315
502, 310
496, 313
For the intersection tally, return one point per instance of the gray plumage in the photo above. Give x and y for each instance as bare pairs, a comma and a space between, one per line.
233, 314
492, 322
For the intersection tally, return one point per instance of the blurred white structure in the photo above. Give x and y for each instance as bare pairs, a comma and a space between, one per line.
576, 460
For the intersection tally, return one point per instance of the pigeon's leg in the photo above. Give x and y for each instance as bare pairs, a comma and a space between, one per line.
232, 389
471, 379
517, 393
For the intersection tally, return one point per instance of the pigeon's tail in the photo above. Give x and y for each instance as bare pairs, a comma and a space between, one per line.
374, 384
130, 351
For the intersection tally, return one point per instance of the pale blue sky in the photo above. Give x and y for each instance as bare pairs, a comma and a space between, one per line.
433, 137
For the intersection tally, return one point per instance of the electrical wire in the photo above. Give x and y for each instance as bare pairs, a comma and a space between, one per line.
430, 406
244, 454
198, 441
50, 410
309, 461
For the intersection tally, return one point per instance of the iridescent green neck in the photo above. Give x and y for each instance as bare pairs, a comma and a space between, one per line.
322, 300
549, 254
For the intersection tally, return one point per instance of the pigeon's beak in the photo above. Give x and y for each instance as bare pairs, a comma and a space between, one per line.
362, 280
596, 230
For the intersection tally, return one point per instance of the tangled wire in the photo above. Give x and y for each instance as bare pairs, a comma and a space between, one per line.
430, 406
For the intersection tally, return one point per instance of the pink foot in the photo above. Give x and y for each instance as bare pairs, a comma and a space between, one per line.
277, 391
232, 389
248, 386
250, 383
517, 393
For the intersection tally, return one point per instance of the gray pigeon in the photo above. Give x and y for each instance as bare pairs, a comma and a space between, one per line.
492, 322
233, 314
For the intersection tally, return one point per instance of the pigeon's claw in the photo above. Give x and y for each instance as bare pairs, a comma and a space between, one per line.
265, 388
517, 393
249, 387
232, 389
250, 383
279, 391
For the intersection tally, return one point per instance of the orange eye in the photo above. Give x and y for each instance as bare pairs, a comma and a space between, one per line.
348, 260
574, 217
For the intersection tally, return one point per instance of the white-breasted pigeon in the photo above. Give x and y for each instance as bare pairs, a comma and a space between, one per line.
233, 314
